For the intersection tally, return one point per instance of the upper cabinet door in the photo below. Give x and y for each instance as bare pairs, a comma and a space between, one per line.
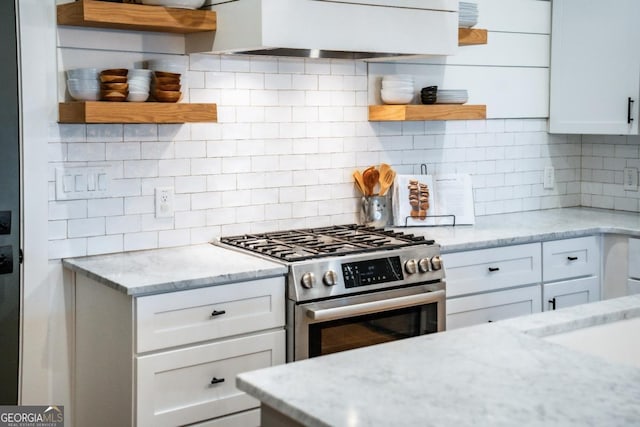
595, 67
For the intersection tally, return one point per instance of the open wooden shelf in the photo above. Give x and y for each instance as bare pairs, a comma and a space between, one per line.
471, 36
129, 16
135, 112
396, 113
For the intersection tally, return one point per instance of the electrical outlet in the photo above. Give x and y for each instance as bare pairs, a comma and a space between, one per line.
164, 202
549, 178
630, 179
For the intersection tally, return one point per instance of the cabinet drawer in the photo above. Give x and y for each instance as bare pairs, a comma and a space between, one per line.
564, 259
634, 258
491, 269
243, 419
492, 306
175, 387
569, 293
178, 318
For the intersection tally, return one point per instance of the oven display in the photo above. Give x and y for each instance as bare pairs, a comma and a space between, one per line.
371, 272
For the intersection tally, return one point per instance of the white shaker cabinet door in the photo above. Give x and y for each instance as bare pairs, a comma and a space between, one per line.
595, 67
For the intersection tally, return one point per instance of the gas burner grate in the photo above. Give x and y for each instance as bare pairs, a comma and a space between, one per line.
312, 243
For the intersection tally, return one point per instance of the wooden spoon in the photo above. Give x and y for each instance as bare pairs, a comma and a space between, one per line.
370, 177
357, 176
386, 181
384, 168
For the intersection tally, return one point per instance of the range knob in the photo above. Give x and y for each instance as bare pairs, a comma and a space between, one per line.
330, 278
308, 280
436, 263
424, 265
411, 266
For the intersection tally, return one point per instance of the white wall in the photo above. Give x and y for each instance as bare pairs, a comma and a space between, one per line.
291, 132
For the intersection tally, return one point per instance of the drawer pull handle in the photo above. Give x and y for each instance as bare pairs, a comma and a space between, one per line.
215, 380
572, 258
492, 269
218, 313
553, 303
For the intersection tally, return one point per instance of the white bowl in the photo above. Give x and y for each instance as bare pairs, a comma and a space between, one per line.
139, 73
392, 97
83, 84
83, 73
84, 94
181, 4
137, 96
396, 85
397, 77
137, 87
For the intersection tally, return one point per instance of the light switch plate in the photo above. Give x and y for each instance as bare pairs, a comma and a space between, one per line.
82, 182
630, 179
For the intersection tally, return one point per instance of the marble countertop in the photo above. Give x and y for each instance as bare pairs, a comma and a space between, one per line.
498, 374
173, 269
165, 270
531, 226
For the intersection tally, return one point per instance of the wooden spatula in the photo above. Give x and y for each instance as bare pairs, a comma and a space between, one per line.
386, 181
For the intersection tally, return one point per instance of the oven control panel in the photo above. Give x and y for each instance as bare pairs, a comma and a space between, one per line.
372, 272
341, 275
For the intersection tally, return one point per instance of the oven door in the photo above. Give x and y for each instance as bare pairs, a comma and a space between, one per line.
346, 323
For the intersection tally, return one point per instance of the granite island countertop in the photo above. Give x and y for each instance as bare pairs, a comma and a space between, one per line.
498, 374
173, 269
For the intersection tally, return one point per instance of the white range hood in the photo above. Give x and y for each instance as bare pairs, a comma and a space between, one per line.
336, 28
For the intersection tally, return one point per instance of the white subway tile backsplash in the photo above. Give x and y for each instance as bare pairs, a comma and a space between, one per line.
105, 207
157, 150
122, 151
190, 184
105, 133
206, 200
85, 227
141, 132
291, 65
105, 244
289, 134
82, 152
140, 241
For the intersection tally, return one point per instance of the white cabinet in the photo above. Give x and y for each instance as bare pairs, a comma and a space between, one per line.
492, 306
486, 270
486, 285
171, 359
571, 272
633, 283
595, 68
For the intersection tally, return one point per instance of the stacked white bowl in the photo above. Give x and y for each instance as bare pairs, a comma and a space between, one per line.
397, 89
139, 83
83, 84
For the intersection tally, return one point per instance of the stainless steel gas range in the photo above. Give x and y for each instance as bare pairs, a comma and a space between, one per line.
351, 286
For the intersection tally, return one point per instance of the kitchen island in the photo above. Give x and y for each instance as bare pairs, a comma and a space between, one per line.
499, 374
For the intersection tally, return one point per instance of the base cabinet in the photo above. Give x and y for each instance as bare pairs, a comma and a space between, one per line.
492, 306
633, 286
569, 293
492, 284
171, 359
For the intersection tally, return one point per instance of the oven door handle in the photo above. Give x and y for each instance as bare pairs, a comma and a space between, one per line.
326, 314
